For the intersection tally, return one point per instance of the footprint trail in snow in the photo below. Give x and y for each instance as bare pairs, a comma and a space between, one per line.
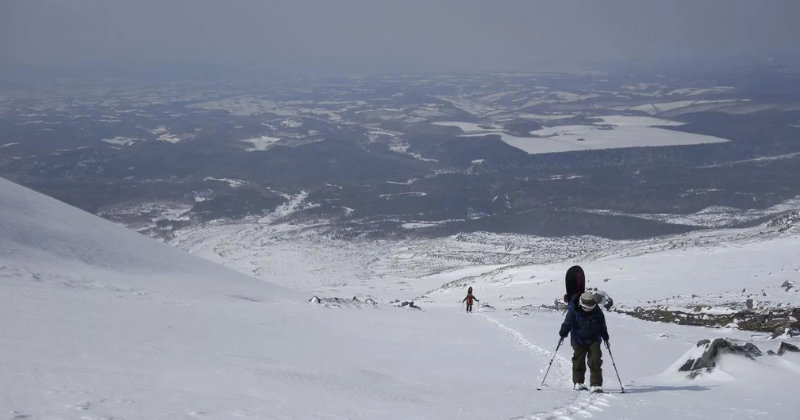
580, 405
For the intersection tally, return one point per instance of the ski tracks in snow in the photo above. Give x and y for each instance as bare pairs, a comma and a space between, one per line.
582, 405
562, 368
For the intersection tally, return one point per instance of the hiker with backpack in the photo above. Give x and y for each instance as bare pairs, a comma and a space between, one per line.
469, 299
585, 323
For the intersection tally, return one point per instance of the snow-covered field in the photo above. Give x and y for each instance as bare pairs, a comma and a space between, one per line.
613, 132
233, 183
121, 141
102, 323
259, 144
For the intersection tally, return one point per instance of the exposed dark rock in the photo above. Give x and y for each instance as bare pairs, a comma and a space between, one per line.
750, 350
785, 221
749, 303
712, 352
340, 302
792, 329
773, 320
787, 348
771, 353
409, 304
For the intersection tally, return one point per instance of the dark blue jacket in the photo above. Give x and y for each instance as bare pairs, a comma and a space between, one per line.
582, 325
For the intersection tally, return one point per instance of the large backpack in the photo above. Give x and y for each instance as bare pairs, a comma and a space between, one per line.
575, 282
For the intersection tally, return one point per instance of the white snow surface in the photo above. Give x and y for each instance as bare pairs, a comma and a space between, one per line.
100, 322
613, 132
261, 143
121, 141
233, 183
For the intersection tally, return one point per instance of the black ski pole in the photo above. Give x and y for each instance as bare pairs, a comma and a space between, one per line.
551, 363
608, 347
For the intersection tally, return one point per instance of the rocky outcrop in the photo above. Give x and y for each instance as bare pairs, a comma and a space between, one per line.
776, 321
336, 302
784, 222
787, 348
712, 352
407, 304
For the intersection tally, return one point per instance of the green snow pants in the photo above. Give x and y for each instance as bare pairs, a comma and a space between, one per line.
592, 350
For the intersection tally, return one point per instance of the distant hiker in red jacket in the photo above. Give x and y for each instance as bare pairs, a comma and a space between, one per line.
469, 299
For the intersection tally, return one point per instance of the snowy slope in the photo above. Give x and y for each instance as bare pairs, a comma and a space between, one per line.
100, 323
516, 274
49, 241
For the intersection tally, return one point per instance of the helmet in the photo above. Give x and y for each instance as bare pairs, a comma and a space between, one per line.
587, 301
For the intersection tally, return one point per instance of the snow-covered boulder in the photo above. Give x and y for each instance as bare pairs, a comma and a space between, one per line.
787, 348
407, 304
707, 354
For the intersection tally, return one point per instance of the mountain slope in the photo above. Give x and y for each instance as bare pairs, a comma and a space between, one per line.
50, 240
98, 322
101, 323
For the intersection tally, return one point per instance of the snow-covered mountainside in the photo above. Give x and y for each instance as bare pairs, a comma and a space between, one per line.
102, 323
56, 245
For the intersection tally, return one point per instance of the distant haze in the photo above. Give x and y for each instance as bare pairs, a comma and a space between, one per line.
375, 36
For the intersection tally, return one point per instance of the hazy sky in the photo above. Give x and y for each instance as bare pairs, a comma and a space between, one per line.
424, 35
